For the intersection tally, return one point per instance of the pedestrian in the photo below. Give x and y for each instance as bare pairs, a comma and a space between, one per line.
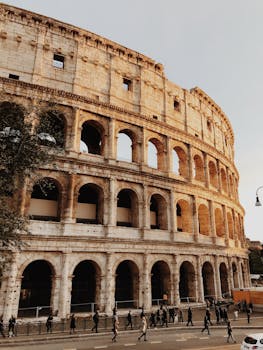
189, 317
248, 314
2, 327
72, 324
49, 323
95, 321
11, 326
115, 326
208, 315
221, 313
206, 325
180, 315
152, 320
225, 315
129, 320
164, 318
230, 333
143, 329
217, 315
171, 314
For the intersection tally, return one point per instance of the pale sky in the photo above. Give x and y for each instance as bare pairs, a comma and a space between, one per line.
216, 45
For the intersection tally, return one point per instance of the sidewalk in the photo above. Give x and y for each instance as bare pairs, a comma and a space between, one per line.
256, 322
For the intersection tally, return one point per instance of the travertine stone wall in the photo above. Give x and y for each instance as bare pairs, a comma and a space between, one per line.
115, 89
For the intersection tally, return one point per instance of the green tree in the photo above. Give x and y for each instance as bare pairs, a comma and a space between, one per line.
256, 261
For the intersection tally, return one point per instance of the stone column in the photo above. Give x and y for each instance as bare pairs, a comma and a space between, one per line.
146, 285
218, 176
75, 135
172, 215
199, 280
65, 287
146, 211
212, 221
175, 281
12, 292
55, 293
225, 226
68, 212
169, 156
190, 163
206, 170
195, 218
111, 154
109, 292
230, 271
218, 293
112, 203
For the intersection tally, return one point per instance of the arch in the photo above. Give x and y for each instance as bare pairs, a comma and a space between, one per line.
36, 287
184, 217
92, 138
187, 284
223, 180
235, 275
219, 221
126, 146
230, 223
52, 128
208, 280
127, 208
180, 165
204, 220
213, 174
90, 204
199, 173
224, 279
85, 286
160, 280
158, 212
156, 154
45, 200
127, 284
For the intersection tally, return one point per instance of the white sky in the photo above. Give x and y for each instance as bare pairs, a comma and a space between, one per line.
216, 45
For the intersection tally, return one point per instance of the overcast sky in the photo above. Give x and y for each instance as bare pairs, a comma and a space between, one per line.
216, 45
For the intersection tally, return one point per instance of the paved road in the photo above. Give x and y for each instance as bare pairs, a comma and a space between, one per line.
161, 339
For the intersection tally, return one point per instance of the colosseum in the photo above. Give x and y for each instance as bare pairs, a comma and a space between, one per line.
143, 203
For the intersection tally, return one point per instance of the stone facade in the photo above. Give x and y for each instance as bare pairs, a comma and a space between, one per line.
112, 230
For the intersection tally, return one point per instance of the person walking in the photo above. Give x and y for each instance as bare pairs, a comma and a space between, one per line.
143, 329
248, 314
49, 323
230, 333
208, 316
2, 327
217, 315
189, 317
95, 321
152, 320
164, 318
11, 326
115, 326
72, 324
206, 326
129, 320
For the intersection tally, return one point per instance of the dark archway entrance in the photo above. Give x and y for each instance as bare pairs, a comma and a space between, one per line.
127, 285
35, 288
187, 284
208, 281
85, 287
161, 281
224, 280
235, 275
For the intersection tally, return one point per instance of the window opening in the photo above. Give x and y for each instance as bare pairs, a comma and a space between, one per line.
127, 84
58, 61
13, 76
176, 105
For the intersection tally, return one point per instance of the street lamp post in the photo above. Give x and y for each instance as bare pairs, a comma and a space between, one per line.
258, 203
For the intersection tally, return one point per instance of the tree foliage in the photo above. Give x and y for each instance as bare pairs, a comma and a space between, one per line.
256, 261
24, 147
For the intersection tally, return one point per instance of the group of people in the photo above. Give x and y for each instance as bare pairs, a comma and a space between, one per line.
11, 327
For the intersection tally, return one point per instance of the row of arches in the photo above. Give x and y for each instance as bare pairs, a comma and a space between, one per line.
52, 129
87, 280
89, 203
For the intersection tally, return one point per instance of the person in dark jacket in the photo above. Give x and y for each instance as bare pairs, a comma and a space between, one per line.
49, 323
129, 320
189, 317
230, 333
206, 325
72, 324
96, 322
2, 327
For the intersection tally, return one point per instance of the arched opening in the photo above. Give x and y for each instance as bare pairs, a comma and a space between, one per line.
223, 180
224, 280
187, 284
235, 275
156, 154
158, 212
204, 220
184, 217
243, 275
36, 288
125, 147
231, 186
92, 138
208, 280
44, 203
199, 173
220, 228
51, 129
90, 205
213, 174
180, 162
127, 208
161, 281
230, 225
127, 285
85, 287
